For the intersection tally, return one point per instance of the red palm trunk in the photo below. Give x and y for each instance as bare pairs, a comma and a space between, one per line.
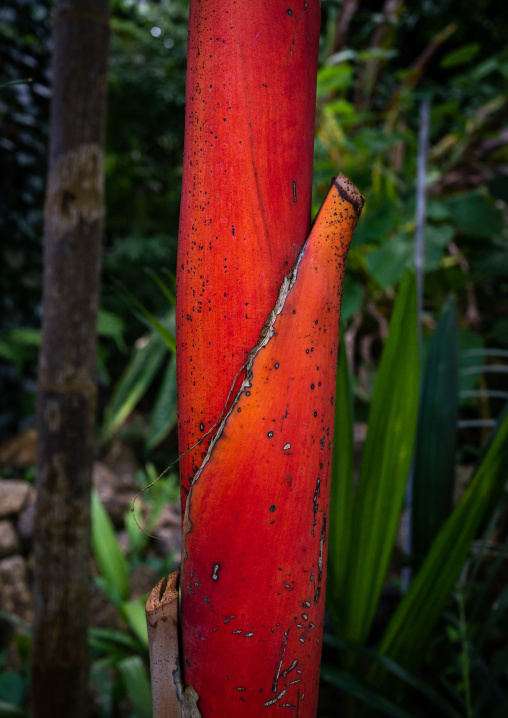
246, 195
255, 528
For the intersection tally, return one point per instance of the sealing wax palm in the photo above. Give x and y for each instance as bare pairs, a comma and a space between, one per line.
255, 528
246, 194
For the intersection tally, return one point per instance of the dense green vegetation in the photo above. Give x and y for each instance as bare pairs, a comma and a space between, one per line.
371, 83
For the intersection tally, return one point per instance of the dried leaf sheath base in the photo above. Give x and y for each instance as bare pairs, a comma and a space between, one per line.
255, 529
162, 624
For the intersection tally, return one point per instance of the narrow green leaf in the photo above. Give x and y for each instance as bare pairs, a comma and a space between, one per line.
134, 614
16, 82
100, 639
385, 465
113, 652
414, 620
355, 687
26, 336
434, 463
342, 494
461, 55
108, 554
137, 685
163, 332
133, 384
164, 417
396, 670
163, 287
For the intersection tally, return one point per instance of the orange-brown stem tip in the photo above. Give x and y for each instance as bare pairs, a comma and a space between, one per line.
349, 192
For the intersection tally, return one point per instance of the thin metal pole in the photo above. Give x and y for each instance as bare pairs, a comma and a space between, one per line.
419, 260
421, 208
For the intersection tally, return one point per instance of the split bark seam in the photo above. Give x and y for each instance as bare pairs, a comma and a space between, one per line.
351, 194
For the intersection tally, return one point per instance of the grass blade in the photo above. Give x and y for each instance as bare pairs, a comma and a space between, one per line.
108, 554
133, 384
434, 464
385, 465
342, 494
412, 624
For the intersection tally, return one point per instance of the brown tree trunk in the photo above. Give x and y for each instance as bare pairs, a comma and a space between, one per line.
74, 213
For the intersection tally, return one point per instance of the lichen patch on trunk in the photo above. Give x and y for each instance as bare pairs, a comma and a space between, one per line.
76, 188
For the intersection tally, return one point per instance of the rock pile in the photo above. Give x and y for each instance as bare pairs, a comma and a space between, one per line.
114, 477
17, 504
